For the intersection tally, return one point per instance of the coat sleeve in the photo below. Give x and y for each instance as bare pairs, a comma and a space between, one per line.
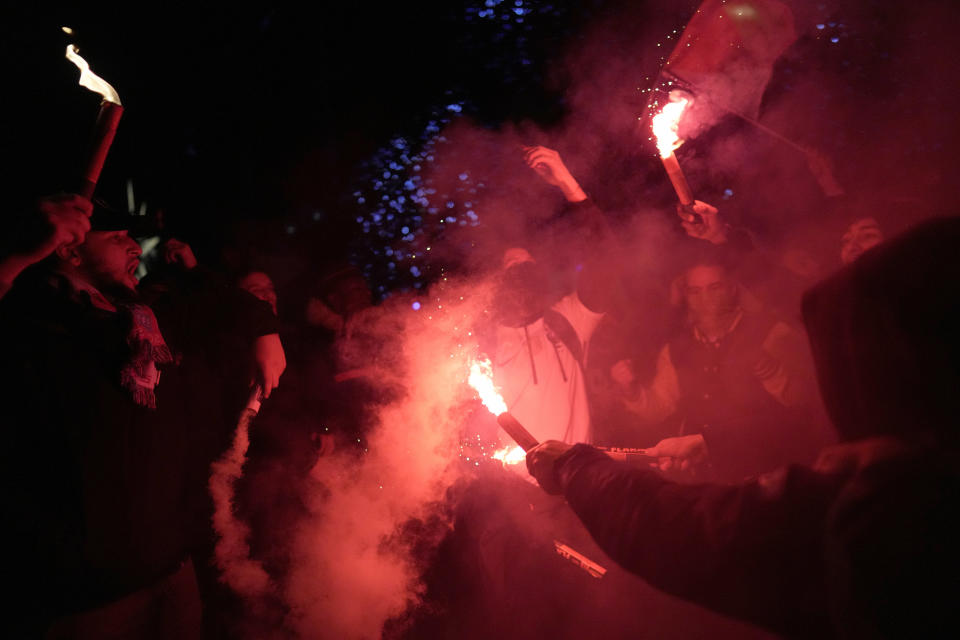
753, 551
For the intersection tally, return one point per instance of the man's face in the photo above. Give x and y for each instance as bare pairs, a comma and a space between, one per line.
860, 236
521, 295
261, 286
109, 260
709, 292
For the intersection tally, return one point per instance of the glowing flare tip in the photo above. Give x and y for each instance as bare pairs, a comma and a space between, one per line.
510, 455
665, 126
481, 379
89, 79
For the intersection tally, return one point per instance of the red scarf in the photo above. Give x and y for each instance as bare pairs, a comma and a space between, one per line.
148, 349
139, 375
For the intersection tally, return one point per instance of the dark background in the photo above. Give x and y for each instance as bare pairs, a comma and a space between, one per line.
243, 112
264, 123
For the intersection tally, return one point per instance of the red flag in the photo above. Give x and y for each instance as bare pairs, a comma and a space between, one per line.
727, 51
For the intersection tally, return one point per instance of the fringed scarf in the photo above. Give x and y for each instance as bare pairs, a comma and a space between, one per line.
140, 374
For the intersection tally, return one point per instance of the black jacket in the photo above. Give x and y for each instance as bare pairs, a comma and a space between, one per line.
103, 495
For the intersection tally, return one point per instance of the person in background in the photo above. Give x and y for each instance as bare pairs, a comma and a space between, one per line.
541, 340
863, 543
860, 236
297, 401
339, 297
339, 338
260, 286
232, 349
732, 379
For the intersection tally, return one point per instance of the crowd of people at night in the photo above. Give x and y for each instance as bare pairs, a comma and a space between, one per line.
798, 460
766, 432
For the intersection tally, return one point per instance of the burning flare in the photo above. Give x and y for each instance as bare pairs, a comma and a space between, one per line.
510, 455
89, 79
105, 127
665, 126
481, 379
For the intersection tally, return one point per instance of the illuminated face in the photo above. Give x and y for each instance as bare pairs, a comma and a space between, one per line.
860, 236
109, 260
709, 292
261, 286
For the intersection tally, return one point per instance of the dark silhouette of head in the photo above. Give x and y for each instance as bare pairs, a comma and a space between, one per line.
883, 333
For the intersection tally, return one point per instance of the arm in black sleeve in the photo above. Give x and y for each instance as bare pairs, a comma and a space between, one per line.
583, 230
749, 447
752, 551
205, 304
255, 318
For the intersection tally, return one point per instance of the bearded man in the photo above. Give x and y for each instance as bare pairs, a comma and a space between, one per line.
104, 465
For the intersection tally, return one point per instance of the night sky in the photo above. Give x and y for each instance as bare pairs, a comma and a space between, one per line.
271, 122
258, 110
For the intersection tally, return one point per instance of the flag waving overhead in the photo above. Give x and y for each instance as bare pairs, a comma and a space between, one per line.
727, 51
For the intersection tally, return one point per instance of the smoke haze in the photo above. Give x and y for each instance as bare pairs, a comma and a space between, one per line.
352, 568
878, 110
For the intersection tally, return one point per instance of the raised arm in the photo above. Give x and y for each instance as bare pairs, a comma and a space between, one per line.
598, 284
550, 167
59, 220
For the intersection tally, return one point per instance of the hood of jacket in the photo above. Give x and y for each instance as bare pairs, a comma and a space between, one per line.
883, 333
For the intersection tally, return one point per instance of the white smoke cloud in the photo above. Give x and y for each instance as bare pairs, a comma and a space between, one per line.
232, 551
352, 569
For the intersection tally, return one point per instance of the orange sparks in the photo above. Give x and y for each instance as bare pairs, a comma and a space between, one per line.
665, 126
